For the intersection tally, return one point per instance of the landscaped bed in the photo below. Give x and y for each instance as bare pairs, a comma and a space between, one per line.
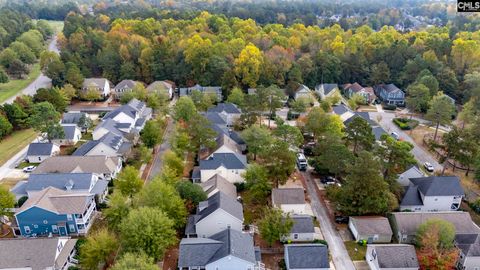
405, 123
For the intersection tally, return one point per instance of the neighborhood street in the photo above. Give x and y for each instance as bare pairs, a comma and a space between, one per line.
387, 124
339, 253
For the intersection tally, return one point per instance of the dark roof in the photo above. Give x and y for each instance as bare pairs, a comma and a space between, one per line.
378, 132
302, 224
40, 149
72, 117
85, 148
225, 107
125, 84
217, 182
363, 115
228, 160
372, 225
411, 197
340, 109
202, 251
236, 137
69, 131
215, 118
288, 196
62, 181
99, 187
126, 109
309, 256
396, 256
469, 244
355, 87
439, 185
112, 126
327, 87
140, 122
390, 87
220, 201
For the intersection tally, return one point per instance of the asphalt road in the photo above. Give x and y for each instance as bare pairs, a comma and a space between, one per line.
420, 154
339, 253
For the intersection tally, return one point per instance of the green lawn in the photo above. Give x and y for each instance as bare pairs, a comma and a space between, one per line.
56, 25
12, 144
359, 253
12, 87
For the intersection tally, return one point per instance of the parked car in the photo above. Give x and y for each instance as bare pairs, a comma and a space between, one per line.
428, 166
395, 135
341, 219
29, 169
328, 179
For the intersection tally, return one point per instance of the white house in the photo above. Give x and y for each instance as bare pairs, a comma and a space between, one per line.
214, 215
290, 200
325, 90
230, 166
302, 92
38, 152
101, 85
131, 116
165, 87
302, 230
72, 135
225, 145
469, 246
373, 229
109, 145
306, 257
392, 256
434, 193
413, 172
229, 249
123, 87
111, 126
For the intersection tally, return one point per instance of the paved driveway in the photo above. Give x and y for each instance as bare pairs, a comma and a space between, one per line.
420, 154
339, 253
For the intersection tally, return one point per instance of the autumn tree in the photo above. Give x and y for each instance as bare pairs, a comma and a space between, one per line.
247, 65
321, 124
130, 261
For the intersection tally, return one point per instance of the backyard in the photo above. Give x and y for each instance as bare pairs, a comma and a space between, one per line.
356, 251
15, 142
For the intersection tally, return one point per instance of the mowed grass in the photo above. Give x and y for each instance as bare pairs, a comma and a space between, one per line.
12, 144
356, 251
56, 25
12, 87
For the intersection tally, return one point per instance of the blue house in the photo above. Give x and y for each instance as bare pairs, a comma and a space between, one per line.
57, 212
390, 94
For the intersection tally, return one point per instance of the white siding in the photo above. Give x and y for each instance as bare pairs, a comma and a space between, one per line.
217, 222
294, 208
230, 263
233, 176
434, 204
352, 228
102, 149
301, 237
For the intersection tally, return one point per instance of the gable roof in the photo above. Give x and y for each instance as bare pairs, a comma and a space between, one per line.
355, 87
302, 224
288, 196
302, 88
371, 225
63, 181
34, 253
469, 244
220, 183
112, 126
163, 85
408, 222
96, 82
308, 256
40, 149
395, 256
227, 160
378, 132
215, 117
225, 107
72, 117
412, 172
389, 88
69, 131
225, 140
340, 109
57, 201
219, 201
125, 84
203, 251
85, 148
327, 87
126, 109
431, 186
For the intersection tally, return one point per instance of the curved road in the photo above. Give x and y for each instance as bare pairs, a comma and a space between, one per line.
41, 81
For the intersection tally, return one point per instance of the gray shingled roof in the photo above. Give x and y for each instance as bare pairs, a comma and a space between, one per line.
85, 148
288, 196
372, 225
340, 109
408, 222
220, 183
302, 224
439, 185
77, 181
112, 126
327, 87
40, 149
215, 118
228, 160
378, 132
72, 117
220, 201
34, 253
84, 164
202, 251
396, 256
69, 131
412, 172
469, 244
308, 256
125, 84
225, 107
97, 82
390, 87
126, 109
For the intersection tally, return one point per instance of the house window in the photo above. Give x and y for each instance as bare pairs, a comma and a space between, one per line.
39, 159
35, 226
455, 206
295, 236
27, 229
54, 228
69, 217
71, 227
45, 221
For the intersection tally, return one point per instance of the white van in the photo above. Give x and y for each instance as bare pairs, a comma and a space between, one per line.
301, 162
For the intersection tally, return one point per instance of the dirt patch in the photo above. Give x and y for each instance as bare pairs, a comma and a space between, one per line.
10, 182
272, 261
170, 260
6, 231
419, 133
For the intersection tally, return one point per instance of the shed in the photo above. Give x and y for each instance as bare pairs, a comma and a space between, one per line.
373, 229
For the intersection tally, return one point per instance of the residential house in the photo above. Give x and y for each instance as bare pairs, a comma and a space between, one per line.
325, 90
110, 126
230, 112
109, 145
433, 193
366, 92
224, 144
228, 249
302, 229
290, 200
38, 152
342, 111
72, 182
214, 215
77, 118
123, 87
251, 91
219, 184
390, 94
101, 85
166, 87
135, 113
57, 212
72, 134
373, 229
452, 100
102, 166
405, 224
216, 119
306, 257
230, 166
412, 172
469, 245
302, 92
235, 136
347, 116
210, 90
392, 256
38, 253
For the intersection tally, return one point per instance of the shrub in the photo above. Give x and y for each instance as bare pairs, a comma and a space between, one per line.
405, 124
390, 107
320, 241
21, 201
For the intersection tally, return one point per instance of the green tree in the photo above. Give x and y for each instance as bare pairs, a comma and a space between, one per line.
274, 225
321, 124
257, 139
90, 94
7, 56
431, 83
5, 127
440, 111
379, 73
45, 119
74, 76
131, 261
192, 193
418, 98
51, 95
150, 134
98, 250
16, 115
200, 132
55, 70
25, 54
359, 134
256, 180
165, 197
3, 76
332, 155
128, 181
184, 109
174, 162
117, 210
289, 134
355, 101
279, 161
7, 201
149, 230
364, 191
237, 97
299, 105
17, 69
